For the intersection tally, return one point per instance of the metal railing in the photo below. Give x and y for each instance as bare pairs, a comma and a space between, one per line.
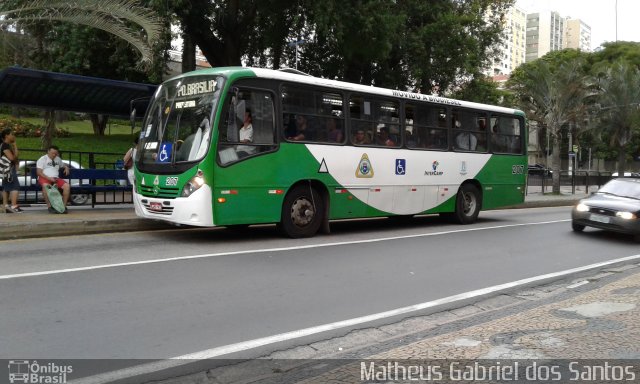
575, 181
83, 159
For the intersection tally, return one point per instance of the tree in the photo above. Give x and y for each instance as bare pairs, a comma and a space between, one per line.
555, 96
92, 38
483, 90
619, 102
122, 18
615, 51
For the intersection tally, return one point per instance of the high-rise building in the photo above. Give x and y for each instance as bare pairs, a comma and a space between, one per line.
512, 47
577, 35
545, 33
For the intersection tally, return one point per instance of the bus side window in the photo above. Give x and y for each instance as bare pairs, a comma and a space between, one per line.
250, 127
506, 135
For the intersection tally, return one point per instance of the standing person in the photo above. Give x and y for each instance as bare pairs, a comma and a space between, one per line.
128, 160
10, 184
48, 174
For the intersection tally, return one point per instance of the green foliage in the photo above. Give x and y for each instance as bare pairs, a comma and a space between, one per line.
614, 52
136, 25
25, 129
554, 94
483, 90
618, 113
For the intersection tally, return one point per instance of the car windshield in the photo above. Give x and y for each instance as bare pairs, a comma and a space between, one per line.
624, 188
178, 125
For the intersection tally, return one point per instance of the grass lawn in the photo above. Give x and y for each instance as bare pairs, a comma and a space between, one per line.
117, 140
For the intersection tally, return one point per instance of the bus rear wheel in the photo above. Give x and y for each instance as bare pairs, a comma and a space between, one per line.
302, 212
468, 204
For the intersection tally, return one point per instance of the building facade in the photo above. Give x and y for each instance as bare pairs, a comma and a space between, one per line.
577, 35
545, 33
512, 48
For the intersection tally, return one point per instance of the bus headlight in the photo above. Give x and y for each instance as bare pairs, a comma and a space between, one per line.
193, 185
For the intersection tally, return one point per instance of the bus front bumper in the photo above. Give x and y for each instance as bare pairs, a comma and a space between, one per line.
193, 210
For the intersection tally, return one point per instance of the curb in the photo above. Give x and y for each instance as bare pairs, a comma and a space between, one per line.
79, 227
92, 226
544, 203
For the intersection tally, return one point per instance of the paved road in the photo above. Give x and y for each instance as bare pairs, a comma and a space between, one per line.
160, 308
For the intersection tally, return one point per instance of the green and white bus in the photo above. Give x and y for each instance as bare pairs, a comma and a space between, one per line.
318, 150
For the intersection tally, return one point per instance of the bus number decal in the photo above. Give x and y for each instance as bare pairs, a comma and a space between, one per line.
171, 181
517, 169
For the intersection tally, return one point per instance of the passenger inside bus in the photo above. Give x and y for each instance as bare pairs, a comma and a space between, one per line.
246, 136
360, 138
334, 134
383, 138
300, 129
465, 140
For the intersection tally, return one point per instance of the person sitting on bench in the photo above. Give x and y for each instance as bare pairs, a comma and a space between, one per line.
48, 174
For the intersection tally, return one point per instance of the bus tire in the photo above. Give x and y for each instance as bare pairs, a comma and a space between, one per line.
468, 204
302, 212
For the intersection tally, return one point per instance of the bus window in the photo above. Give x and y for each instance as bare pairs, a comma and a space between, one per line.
469, 130
312, 115
388, 116
506, 135
426, 125
379, 120
249, 127
362, 121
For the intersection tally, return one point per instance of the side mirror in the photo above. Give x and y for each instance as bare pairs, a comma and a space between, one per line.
132, 118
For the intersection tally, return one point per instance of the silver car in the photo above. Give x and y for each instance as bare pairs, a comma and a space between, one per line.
24, 177
615, 207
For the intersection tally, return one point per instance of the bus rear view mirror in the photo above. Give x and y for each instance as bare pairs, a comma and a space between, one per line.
132, 118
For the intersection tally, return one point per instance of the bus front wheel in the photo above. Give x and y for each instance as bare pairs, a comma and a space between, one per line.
468, 204
302, 212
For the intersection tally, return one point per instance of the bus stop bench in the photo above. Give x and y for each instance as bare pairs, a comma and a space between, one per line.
85, 180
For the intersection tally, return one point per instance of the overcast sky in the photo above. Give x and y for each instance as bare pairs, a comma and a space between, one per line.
600, 15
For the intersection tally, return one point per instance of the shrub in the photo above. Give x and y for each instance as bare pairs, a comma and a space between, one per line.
25, 129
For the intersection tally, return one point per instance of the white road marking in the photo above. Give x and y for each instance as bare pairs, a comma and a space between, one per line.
280, 249
250, 344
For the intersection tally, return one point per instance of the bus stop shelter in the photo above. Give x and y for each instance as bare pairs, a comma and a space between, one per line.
60, 91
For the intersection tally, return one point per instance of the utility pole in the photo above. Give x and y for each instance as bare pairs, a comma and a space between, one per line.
569, 152
295, 44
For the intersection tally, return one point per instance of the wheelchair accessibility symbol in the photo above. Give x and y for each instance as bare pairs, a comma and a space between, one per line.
164, 155
401, 166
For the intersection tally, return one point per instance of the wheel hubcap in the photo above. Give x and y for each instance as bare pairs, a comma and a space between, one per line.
302, 212
469, 203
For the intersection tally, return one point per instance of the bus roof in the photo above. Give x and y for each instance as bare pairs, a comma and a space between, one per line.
312, 80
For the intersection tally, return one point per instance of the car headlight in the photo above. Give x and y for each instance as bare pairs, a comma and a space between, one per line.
582, 207
194, 184
626, 215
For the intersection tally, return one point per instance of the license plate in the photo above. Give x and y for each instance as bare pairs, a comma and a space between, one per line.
155, 207
600, 218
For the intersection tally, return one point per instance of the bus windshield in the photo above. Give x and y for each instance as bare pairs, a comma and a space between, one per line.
178, 128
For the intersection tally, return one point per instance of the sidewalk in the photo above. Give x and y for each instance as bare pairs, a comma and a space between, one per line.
574, 328
37, 222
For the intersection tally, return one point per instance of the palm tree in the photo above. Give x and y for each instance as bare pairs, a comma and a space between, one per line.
555, 96
126, 19
619, 99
